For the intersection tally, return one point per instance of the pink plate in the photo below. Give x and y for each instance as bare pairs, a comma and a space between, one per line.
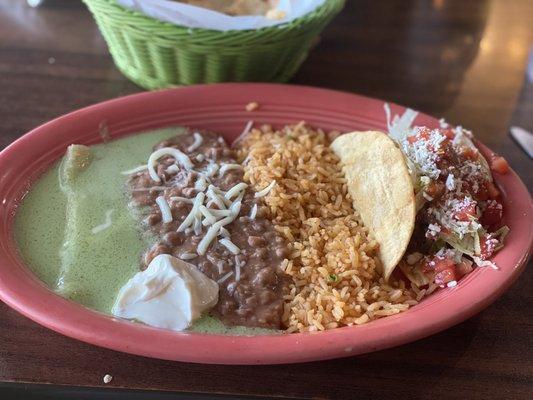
221, 108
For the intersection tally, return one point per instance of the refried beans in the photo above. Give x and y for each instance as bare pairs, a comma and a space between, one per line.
251, 282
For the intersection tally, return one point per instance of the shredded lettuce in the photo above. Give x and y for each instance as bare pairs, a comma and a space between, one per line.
415, 274
399, 126
469, 244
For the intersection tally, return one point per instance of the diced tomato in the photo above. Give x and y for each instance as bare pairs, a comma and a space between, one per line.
435, 189
445, 276
487, 244
463, 268
492, 216
423, 134
469, 153
499, 164
442, 264
493, 191
448, 133
445, 231
466, 211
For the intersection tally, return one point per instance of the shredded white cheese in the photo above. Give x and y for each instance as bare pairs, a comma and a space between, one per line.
211, 234
266, 190
220, 267
166, 213
155, 188
235, 190
189, 219
198, 140
253, 211
188, 256
227, 167
184, 199
237, 273
173, 169
140, 168
200, 184
225, 277
220, 213
247, 129
224, 232
236, 208
215, 198
228, 244
105, 225
211, 170
197, 226
200, 157
167, 151
209, 217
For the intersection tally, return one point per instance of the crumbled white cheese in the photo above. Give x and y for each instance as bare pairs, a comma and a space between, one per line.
424, 152
450, 182
433, 230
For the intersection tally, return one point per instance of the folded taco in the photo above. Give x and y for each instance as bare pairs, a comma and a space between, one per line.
453, 220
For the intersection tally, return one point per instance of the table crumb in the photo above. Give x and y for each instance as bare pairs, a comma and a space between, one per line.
252, 106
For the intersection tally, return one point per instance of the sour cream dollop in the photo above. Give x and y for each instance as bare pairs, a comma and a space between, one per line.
169, 293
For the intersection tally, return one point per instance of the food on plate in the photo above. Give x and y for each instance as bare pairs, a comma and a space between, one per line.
169, 293
78, 235
459, 208
333, 262
285, 231
237, 7
195, 203
381, 190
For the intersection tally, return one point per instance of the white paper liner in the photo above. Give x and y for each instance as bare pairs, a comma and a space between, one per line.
197, 17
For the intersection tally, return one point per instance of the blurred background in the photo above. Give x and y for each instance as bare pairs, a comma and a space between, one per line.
465, 60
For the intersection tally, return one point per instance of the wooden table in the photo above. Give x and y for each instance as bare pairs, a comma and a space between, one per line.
463, 60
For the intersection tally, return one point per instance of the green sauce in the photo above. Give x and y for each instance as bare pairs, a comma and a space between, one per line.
54, 224
55, 221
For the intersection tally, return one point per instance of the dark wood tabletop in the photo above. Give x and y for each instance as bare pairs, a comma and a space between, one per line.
462, 60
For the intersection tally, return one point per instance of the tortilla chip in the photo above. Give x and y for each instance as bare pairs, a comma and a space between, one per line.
381, 189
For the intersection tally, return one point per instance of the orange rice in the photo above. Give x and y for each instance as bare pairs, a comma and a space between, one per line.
333, 261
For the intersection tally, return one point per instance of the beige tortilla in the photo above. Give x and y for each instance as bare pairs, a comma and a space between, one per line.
381, 189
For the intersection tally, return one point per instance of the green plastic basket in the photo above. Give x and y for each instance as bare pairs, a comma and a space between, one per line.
156, 54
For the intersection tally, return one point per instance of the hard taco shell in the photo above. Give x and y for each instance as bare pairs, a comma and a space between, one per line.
381, 189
